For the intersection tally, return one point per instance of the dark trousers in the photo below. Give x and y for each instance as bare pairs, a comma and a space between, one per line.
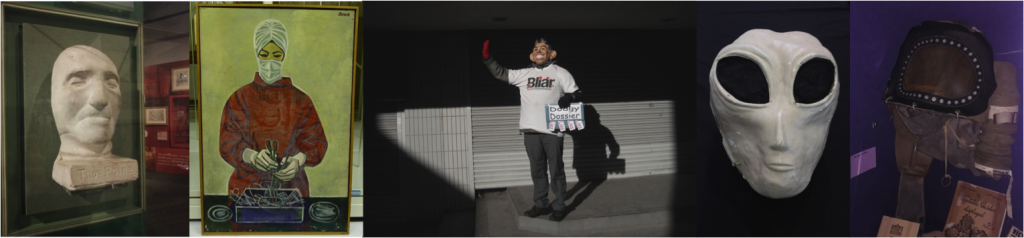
545, 152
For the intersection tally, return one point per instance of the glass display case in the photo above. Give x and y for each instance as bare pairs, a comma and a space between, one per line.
123, 11
72, 115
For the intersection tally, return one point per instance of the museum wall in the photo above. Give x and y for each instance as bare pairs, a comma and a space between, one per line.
166, 41
167, 141
877, 31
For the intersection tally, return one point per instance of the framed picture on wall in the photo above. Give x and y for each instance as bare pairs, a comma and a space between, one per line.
179, 80
179, 121
54, 178
270, 77
156, 116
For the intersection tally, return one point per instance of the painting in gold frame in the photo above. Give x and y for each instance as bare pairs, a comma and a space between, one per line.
275, 117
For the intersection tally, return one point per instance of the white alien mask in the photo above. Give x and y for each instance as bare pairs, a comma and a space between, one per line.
773, 95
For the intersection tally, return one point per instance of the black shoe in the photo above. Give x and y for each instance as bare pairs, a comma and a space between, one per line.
557, 216
536, 211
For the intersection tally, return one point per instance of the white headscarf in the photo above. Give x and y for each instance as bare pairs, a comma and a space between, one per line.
270, 30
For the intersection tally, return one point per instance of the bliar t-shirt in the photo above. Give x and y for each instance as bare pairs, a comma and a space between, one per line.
537, 88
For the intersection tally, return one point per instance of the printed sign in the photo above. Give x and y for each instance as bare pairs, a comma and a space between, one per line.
895, 227
170, 160
862, 162
571, 116
975, 211
1014, 232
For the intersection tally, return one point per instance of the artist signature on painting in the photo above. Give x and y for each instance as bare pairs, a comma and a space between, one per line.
342, 14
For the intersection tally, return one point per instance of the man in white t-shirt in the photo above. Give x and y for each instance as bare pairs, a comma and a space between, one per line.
540, 84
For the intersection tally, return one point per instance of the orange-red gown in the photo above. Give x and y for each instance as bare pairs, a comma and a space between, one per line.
278, 111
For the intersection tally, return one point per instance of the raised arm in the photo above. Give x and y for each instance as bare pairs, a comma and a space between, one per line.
499, 72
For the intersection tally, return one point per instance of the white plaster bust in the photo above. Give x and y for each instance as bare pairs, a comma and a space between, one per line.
86, 99
775, 145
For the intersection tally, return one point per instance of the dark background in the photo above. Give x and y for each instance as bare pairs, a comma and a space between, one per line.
424, 48
877, 31
727, 204
616, 65
401, 181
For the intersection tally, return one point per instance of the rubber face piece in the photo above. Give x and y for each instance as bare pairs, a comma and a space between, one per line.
814, 81
743, 79
943, 67
941, 70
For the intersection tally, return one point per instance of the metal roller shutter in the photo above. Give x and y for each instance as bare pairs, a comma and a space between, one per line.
643, 131
630, 78
389, 126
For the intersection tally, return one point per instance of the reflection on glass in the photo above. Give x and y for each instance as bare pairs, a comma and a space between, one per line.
86, 100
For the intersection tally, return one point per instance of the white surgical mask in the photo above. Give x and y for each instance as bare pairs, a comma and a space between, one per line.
774, 137
270, 70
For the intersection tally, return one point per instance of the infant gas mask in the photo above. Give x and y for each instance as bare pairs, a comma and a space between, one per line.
952, 102
773, 96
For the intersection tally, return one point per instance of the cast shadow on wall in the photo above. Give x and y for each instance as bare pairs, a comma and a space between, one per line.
591, 162
412, 198
409, 194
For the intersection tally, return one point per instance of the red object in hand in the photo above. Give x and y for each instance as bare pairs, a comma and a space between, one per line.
487, 54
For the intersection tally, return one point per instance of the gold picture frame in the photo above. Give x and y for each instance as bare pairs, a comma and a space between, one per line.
333, 96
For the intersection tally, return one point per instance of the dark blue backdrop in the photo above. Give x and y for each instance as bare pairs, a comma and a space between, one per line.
728, 206
876, 31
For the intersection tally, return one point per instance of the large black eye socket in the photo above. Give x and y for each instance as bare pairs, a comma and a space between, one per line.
742, 78
814, 81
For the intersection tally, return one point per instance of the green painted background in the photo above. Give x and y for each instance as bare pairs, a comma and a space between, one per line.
319, 61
